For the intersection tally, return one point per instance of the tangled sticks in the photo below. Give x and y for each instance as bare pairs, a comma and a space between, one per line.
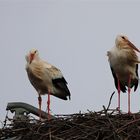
107, 124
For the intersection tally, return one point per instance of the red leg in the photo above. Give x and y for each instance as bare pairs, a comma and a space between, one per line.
48, 105
39, 102
119, 90
129, 89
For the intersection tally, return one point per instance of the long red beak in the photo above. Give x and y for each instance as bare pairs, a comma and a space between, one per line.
31, 57
133, 46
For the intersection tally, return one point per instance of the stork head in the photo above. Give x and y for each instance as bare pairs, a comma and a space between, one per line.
122, 41
33, 54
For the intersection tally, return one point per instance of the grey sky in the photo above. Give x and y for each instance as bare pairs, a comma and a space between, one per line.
73, 35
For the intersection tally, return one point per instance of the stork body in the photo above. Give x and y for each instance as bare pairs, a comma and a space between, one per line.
45, 78
124, 66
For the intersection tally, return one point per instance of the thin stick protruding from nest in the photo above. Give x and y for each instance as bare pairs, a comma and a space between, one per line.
110, 100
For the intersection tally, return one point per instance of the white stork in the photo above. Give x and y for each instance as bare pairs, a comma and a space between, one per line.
45, 78
124, 66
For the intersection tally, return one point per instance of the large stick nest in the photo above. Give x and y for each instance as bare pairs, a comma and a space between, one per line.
107, 124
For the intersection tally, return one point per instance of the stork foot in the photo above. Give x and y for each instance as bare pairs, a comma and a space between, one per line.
129, 112
118, 108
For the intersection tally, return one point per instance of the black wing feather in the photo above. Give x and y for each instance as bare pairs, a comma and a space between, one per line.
122, 87
136, 81
61, 84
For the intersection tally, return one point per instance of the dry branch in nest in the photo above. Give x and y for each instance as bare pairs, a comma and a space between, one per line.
107, 124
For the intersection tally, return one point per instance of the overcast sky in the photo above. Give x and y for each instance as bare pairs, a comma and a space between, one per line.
73, 35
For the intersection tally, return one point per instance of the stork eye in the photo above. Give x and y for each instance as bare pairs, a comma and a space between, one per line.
123, 37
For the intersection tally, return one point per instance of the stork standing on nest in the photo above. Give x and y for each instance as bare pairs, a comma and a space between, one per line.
46, 79
124, 66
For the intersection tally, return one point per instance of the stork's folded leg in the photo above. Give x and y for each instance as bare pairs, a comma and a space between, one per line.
129, 89
40, 103
48, 105
119, 90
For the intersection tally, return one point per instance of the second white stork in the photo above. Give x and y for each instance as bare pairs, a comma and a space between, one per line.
45, 78
124, 66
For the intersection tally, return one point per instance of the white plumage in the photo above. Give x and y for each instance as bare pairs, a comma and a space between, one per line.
124, 66
46, 78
